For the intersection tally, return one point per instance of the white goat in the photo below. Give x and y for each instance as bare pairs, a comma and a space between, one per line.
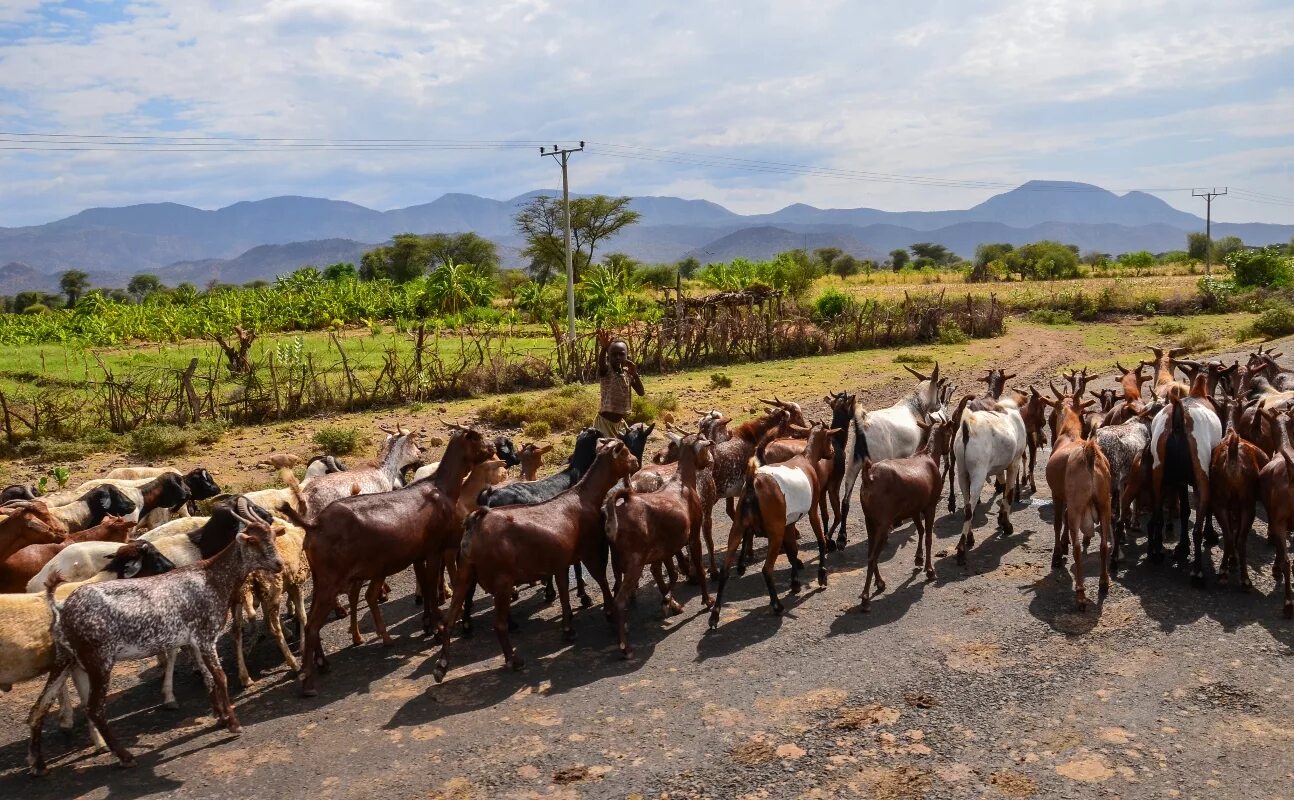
888, 433
988, 444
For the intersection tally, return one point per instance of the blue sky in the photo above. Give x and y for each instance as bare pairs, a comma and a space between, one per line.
1150, 95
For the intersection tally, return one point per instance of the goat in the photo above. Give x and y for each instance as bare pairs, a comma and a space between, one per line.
888, 433
369, 537
268, 589
713, 425
731, 457
901, 489
22, 566
26, 646
774, 498
531, 458
1166, 384
1182, 437
1123, 446
93, 506
635, 438
398, 451
1078, 474
648, 528
507, 545
1276, 489
987, 444
18, 492
102, 623
1234, 469
323, 465
655, 476
504, 450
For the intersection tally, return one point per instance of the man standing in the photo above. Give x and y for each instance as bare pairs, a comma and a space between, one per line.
617, 377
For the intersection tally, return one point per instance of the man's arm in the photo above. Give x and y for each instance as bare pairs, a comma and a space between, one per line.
604, 344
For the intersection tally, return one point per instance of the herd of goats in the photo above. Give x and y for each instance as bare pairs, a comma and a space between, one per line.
123, 567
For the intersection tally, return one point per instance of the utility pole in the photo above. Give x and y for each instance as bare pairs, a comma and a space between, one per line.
1208, 195
563, 156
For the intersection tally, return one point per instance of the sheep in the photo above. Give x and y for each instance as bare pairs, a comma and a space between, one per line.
18, 492
100, 624
19, 568
92, 506
323, 465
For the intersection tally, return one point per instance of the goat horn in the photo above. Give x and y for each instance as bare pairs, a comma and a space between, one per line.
918, 374
1055, 391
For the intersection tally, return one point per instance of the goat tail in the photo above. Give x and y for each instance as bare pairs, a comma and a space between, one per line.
1233, 447
297, 517
54, 580
469, 530
609, 511
1091, 450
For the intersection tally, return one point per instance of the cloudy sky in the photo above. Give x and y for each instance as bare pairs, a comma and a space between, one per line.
958, 98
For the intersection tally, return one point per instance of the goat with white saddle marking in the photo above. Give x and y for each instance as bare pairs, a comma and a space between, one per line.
1182, 437
888, 433
988, 444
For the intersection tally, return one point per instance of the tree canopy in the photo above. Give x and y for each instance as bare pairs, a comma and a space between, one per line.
74, 282
593, 220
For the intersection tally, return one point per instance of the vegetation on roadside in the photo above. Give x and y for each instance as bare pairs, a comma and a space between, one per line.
338, 440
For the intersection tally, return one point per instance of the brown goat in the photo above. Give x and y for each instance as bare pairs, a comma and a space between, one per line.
1234, 469
22, 566
532, 458
648, 528
370, 536
508, 545
774, 497
1166, 384
900, 489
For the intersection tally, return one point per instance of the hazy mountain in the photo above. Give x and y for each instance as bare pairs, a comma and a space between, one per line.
262, 238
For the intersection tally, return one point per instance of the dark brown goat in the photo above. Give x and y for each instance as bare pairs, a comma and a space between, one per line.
22, 566
508, 545
370, 536
900, 489
774, 498
648, 528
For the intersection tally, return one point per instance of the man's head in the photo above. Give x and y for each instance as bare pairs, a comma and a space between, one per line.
618, 353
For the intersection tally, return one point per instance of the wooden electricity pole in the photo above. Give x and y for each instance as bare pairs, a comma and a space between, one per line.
563, 156
1208, 195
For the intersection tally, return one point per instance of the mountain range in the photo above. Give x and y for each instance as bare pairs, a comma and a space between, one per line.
260, 239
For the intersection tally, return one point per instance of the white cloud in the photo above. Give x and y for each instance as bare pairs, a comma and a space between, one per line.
966, 94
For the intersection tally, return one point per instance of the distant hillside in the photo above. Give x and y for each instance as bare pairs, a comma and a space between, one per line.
263, 238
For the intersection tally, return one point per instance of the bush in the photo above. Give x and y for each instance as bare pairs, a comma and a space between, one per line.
720, 380
536, 430
1197, 341
1266, 268
649, 408
831, 304
1216, 294
208, 432
1170, 327
912, 358
51, 451
156, 441
662, 276
336, 440
569, 408
950, 333
1048, 316
1273, 323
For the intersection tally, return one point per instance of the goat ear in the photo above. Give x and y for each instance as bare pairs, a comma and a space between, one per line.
542, 450
1008, 377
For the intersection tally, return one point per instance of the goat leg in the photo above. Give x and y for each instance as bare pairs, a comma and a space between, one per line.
502, 601
632, 574
563, 595
36, 719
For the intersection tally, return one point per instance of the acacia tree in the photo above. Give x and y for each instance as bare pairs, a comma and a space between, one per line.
899, 258
142, 285
593, 219
74, 282
463, 248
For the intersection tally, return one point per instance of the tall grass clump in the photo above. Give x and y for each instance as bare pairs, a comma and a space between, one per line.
337, 440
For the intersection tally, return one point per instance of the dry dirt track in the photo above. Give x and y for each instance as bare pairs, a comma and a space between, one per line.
984, 683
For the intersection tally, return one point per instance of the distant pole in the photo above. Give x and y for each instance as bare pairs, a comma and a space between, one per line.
1208, 195
563, 156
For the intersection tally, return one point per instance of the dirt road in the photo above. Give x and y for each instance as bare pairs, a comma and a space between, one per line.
983, 683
